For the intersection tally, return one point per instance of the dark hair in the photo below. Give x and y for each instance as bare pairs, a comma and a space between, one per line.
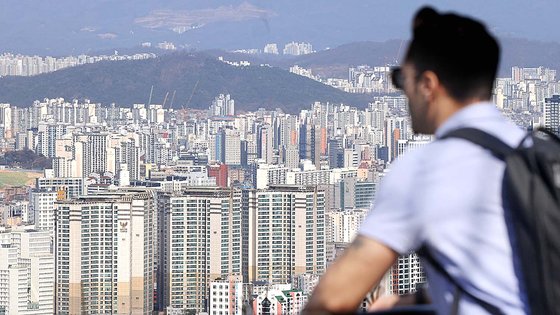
459, 50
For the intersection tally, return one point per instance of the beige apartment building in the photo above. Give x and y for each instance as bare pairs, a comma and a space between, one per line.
106, 253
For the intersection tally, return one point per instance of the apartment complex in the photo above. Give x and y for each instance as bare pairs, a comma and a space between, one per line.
106, 253
201, 235
26, 272
287, 237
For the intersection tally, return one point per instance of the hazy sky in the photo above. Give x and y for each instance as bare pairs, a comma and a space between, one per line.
74, 26
534, 19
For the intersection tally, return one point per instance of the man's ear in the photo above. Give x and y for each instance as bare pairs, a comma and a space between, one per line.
429, 85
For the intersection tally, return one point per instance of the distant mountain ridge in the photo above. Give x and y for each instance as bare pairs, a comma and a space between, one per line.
196, 79
528, 53
335, 62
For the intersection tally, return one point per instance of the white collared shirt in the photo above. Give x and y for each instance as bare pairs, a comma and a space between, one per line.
447, 195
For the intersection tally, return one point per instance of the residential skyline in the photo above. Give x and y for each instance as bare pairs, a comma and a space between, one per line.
257, 202
216, 157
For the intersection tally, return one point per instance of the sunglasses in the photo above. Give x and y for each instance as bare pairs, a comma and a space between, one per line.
397, 77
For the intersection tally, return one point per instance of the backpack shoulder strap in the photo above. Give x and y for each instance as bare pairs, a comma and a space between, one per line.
498, 148
548, 132
424, 252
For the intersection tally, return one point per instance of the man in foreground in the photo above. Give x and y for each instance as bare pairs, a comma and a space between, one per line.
445, 197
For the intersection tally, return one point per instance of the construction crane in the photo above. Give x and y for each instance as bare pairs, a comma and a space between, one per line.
172, 99
151, 92
165, 100
190, 97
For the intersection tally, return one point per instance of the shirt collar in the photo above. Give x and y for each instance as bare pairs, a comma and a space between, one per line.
467, 116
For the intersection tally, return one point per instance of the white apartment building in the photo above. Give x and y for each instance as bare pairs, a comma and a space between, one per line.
43, 208
265, 144
287, 237
227, 296
351, 158
105, 253
65, 163
270, 174
290, 157
79, 155
155, 113
6, 120
26, 272
95, 154
47, 135
232, 147
343, 225
71, 186
251, 143
194, 179
417, 141
202, 239
306, 282
296, 49
139, 113
127, 152
312, 177
340, 173
271, 48
222, 105
405, 275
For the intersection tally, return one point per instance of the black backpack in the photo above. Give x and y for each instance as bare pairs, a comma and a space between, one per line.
531, 192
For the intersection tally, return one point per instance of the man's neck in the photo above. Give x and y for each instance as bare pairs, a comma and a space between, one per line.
448, 106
